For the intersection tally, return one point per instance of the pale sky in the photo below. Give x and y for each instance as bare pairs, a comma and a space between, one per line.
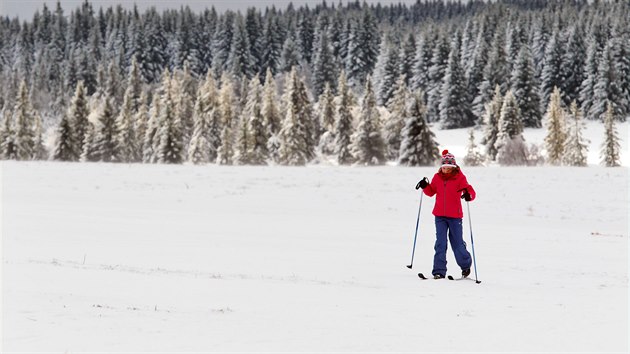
26, 8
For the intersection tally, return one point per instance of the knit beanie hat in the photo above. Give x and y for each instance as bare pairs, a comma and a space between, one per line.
448, 159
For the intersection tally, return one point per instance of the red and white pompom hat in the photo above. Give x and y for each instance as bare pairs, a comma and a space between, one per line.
448, 159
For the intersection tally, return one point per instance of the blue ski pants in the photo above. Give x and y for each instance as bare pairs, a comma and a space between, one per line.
452, 226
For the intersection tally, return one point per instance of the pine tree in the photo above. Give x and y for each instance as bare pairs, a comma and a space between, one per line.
439, 62
290, 55
494, 73
225, 154
125, 139
271, 115
255, 125
272, 48
66, 146
454, 105
103, 145
170, 134
610, 147
525, 89
587, 87
151, 136
343, 123
422, 62
7, 137
206, 117
406, 60
556, 128
323, 66
607, 89
240, 60
293, 136
23, 113
572, 66
386, 72
576, 147
418, 146
327, 120
140, 123
491, 119
367, 146
473, 156
510, 144
398, 113
40, 152
551, 68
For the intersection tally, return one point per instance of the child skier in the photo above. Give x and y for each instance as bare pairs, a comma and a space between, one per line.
449, 183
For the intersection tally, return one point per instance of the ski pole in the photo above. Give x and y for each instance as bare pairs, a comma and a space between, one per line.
416, 235
472, 242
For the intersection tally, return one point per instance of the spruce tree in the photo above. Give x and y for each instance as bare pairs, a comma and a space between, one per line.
587, 86
327, 120
556, 128
406, 60
23, 113
257, 134
525, 89
105, 133
398, 113
367, 146
494, 73
240, 61
225, 154
171, 140
271, 115
140, 123
607, 89
125, 139
294, 144
473, 156
323, 66
610, 147
7, 137
576, 147
551, 68
343, 122
510, 133
66, 146
454, 104
418, 146
386, 72
151, 132
491, 119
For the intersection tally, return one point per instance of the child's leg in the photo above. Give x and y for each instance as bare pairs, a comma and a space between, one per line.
457, 243
441, 245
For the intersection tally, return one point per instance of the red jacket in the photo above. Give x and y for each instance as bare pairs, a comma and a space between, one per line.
449, 189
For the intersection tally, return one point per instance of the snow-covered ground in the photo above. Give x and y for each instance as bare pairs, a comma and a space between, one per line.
149, 258
145, 258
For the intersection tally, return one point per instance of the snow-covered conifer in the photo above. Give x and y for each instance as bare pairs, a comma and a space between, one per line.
510, 144
556, 128
611, 146
398, 113
323, 65
225, 153
294, 139
327, 120
525, 89
367, 145
24, 118
343, 122
491, 118
607, 89
473, 156
418, 146
454, 106
576, 147
170, 134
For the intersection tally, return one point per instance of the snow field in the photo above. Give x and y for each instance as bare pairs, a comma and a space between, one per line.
155, 258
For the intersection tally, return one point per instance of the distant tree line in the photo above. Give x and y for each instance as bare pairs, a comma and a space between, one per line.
355, 84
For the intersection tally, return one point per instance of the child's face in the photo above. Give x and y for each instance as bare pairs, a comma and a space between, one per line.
447, 169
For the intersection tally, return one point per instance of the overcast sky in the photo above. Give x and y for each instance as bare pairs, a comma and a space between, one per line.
26, 8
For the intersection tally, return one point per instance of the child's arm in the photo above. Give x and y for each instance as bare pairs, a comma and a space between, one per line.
430, 190
468, 188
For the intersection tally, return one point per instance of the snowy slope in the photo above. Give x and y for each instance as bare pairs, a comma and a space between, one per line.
129, 258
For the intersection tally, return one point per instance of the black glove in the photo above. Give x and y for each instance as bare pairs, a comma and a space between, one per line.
466, 196
423, 183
